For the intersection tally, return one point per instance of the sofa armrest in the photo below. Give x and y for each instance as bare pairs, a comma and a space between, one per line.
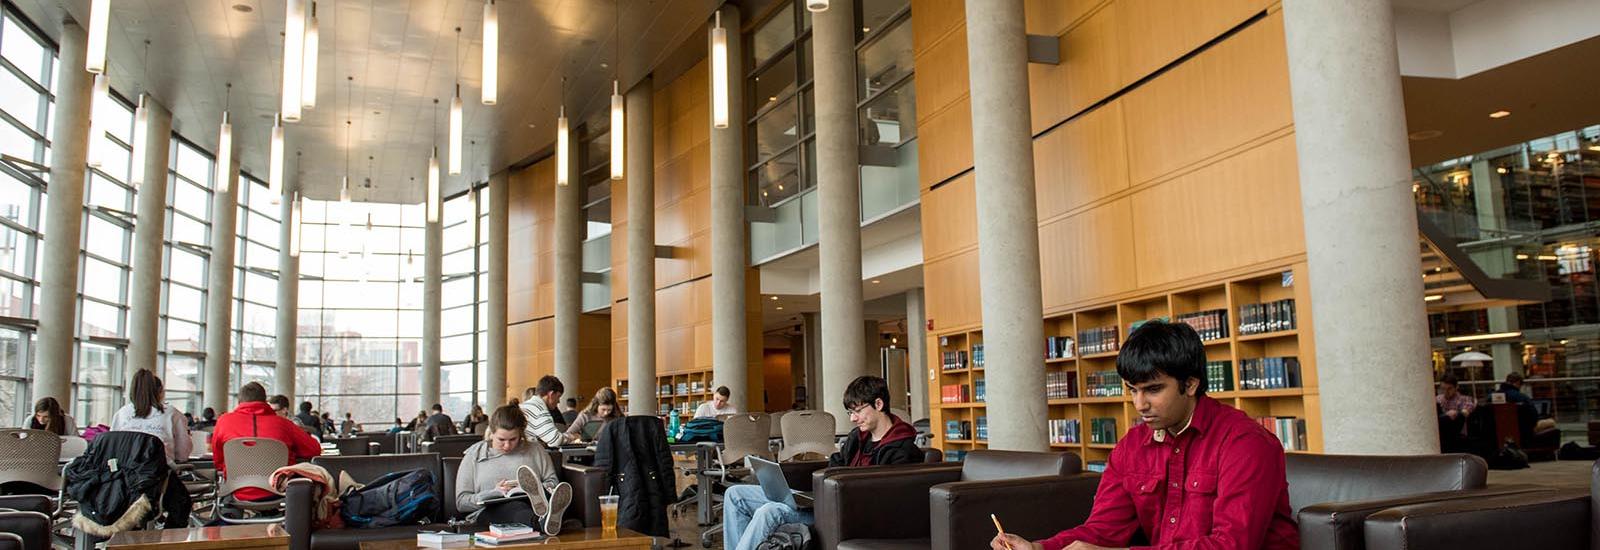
299, 506
28, 503
588, 483
32, 528
1543, 519
1032, 507
878, 503
1339, 525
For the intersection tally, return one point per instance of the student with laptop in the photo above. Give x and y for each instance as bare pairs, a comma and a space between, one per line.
750, 512
603, 408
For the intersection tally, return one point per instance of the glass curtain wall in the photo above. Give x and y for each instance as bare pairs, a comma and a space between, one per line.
255, 285
104, 262
27, 60
459, 320
187, 252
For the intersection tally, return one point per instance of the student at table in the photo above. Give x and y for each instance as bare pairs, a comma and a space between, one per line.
147, 411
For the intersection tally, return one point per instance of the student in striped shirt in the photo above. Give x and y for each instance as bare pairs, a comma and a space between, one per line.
537, 405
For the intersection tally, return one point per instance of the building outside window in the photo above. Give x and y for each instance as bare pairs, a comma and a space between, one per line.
27, 59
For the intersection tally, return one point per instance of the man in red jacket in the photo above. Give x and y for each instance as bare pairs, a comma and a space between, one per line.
255, 418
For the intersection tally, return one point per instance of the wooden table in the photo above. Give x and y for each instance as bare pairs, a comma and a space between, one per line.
587, 539
231, 537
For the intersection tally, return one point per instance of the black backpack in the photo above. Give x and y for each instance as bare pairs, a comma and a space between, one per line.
397, 498
789, 536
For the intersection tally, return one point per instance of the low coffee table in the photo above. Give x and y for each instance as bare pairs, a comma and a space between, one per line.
587, 539
230, 537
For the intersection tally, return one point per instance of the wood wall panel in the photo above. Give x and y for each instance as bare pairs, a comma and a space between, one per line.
942, 77
945, 144
1052, 17
1087, 255
1239, 211
949, 218
1158, 32
619, 259
932, 19
1082, 161
594, 356
1087, 72
1233, 93
953, 300
619, 341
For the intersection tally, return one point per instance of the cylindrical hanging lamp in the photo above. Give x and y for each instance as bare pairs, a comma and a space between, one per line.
294, 45
433, 186
141, 140
275, 162
455, 133
491, 53
224, 154
308, 88
561, 147
294, 226
617, 131
99, 22
99, 107
719, 74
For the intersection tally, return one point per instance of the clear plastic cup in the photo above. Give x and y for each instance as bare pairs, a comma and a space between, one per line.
608, 512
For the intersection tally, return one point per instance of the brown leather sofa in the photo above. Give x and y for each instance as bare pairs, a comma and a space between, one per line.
1333, 495
1545, 519
588, 483
947, 505
25, 522
298, 508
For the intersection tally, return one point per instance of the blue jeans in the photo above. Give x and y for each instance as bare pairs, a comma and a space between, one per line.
748, 517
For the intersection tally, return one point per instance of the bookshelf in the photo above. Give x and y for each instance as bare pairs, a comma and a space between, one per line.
1214, 308
681, 392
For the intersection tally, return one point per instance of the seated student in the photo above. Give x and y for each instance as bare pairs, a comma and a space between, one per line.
1193, 474
207, 421
254, 418
539, 407
717, 405
879, 439
306, 418
349, 426
47, 416
1453, 407
602, 408
148, 412
569, 411
438, 424
506, 462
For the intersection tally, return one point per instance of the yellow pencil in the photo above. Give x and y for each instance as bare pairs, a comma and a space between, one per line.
1002, 531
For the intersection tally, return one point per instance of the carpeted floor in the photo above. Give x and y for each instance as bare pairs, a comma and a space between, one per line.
1563, 474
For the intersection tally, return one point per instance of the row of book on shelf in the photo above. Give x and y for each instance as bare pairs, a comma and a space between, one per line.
1061, 384
1097, 340
1290, 431
1060, 347
961, 393
1254, 374
1268, 373
683, 388
1063, 431
1266, 317
1211, 324
1106, 383
953, 360
963, 430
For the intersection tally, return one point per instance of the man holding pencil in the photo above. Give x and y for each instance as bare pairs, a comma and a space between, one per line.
1194, 473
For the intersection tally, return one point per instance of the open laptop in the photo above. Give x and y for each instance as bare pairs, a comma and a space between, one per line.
770, 475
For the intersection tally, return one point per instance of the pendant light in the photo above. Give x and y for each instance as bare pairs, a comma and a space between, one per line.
561, 147
99, 23
455, 114
141, 141
97, 113
308, 84
618, 113
433, 186
294, 226
491, 53
225, 148
275, 161
719, 74
294, 45
816, 5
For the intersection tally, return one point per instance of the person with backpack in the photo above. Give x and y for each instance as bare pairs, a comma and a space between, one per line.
507, 479
254, 418
148, 412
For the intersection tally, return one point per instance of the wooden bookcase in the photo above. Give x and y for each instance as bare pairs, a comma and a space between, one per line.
1230, 295
685, 391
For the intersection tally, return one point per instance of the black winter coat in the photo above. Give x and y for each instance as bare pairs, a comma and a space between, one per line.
118, 468
638, 461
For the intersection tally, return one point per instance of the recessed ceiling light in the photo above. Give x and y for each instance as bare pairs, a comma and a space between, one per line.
1501, 170
876, 281
243, 8
774, 298
1500, 114
780, 308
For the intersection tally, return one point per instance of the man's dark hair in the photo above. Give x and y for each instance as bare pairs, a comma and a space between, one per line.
252, 392
1514, 378
723, 391
279, 401
305, 407
864, 390
1159, 347
209, 413
1451, 379
549, 384
437, 408
572, 402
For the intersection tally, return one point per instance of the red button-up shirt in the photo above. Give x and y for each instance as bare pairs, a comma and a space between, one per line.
1217, 484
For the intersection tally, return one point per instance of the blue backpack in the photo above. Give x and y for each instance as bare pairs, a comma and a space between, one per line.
396, 498
701, 429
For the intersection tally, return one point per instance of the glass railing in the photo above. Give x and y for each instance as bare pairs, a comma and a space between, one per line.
888, 185
597, 259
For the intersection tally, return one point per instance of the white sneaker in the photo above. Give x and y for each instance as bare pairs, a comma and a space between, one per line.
560, 498
530, 484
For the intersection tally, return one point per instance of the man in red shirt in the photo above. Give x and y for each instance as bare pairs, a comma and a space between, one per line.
1193, 474
255, 418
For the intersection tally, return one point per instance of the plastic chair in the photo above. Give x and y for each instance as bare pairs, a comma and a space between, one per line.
32, 457
250, 463
807, 432
354, 446
73, 447
743, 434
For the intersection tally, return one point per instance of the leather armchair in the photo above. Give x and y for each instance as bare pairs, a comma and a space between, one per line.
26, 519
1333, 495
299, 507
1534, 519
900, 506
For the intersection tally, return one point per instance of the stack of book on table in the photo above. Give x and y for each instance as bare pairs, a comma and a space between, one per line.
443, 539
506, 533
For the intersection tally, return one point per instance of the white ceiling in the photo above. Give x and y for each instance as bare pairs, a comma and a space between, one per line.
1433, 6
402, 56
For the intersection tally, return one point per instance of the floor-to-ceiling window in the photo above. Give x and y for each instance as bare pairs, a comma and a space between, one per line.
26, 68
459, 320
183, 290
255, 285
105, 260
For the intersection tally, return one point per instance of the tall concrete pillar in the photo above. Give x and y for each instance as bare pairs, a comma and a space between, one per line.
144, 283
499, 284
288, 320
219, 289
921, 373
730, 363
63, 229
811, 330
432, 279
641, 253
568, 273
1008, 228
839, 205
1498, 261
1360, 227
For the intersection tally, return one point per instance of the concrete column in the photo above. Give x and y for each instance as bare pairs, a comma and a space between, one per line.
839, 205
144, 283
1361, 228
811, 330
63, 229
288, 320
921, 373
432, 280
499, 283
730, 362
1499, 261
641, 253
219, 290
568, 273
1008, 228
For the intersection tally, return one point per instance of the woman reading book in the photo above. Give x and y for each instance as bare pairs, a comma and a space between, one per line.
506, 479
